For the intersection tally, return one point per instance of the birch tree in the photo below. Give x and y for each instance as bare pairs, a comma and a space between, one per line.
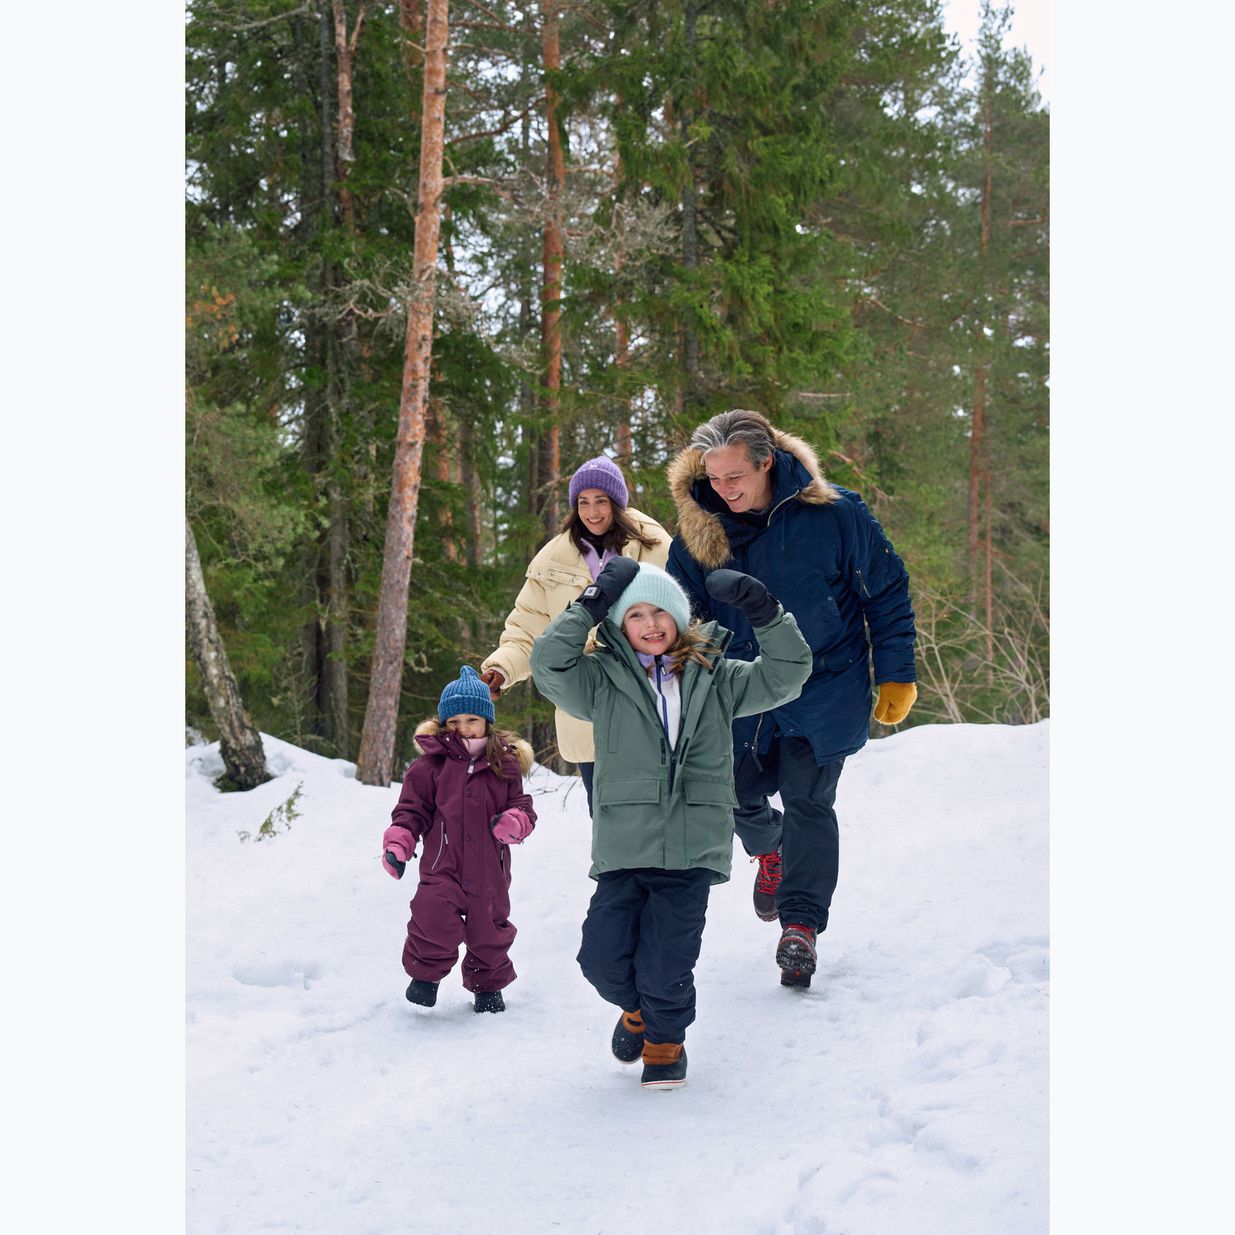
239, 742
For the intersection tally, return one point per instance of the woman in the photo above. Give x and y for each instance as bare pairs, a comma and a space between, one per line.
599, 526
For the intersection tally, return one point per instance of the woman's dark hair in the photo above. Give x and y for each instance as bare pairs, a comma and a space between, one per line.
621, 531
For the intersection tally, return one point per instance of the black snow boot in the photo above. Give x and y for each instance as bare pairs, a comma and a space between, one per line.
628, 1037
423, 993
796, 950
664, 1065
489, 1001
767, 880
795, 978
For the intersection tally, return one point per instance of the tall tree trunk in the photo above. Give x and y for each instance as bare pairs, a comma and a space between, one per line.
375, 763
239, 742
621, 337
527, 324
345, 57
470, 483
691, 395
551, 297
977, 442
988, 590
412, 23
439, 434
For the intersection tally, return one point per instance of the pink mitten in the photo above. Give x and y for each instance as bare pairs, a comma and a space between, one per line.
511, 826
397, 844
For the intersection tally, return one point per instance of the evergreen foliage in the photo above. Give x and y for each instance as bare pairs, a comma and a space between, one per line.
777, 206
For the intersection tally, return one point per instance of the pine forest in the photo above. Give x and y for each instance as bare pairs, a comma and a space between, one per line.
440, 252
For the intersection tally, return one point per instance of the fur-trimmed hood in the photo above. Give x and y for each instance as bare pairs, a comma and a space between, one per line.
701, 530
522, 751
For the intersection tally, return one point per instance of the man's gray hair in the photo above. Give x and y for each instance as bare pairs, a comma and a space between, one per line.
736, 428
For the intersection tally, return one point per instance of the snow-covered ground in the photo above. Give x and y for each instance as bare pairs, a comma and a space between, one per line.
906, 1092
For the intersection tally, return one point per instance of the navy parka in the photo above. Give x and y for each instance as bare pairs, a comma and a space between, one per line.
825, 557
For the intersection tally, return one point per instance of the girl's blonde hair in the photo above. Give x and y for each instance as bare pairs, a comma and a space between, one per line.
693, 645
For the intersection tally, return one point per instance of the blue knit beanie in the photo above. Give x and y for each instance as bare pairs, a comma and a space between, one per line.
653, 586
467, 695
599, 473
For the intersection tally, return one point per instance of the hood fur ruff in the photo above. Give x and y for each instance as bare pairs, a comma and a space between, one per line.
701, 531
512, 741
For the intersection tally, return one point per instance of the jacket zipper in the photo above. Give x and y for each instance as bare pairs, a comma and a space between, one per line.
754, 742
440, 846
862, 585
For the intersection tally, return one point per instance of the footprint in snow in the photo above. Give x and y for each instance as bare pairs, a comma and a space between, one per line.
278, 973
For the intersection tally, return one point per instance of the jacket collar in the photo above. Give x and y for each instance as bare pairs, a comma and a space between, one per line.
622, 665
445, 742
700, 524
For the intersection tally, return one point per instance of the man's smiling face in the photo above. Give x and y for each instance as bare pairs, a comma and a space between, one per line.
736, 480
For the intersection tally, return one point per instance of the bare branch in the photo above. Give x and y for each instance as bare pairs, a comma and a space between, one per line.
359, 22
304, 10
482, 133
484, 8
880, 305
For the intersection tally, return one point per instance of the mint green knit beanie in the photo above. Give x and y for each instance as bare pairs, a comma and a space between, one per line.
653, 586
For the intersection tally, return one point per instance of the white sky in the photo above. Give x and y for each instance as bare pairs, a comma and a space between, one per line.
1029, 30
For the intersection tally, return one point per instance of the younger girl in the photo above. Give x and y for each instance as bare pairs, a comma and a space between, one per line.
464, 798
661, 698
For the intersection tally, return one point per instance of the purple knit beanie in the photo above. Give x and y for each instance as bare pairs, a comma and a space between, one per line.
599, 473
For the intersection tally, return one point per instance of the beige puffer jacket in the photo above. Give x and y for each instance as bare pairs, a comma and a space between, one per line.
555, 577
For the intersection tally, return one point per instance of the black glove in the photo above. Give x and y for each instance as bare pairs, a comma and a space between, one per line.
732, 587
617, 576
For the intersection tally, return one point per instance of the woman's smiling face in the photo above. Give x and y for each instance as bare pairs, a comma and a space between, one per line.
596, 511
649, 630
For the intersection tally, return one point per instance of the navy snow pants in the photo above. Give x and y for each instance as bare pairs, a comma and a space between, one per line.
806, 833
641, 939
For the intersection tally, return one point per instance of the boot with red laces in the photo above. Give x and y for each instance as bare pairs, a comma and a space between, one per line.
795, 953
767, 880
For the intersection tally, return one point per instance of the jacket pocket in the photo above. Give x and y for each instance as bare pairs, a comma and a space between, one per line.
611, 792
613, 730
710, 793
565, 577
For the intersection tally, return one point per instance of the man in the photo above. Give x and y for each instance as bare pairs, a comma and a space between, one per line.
752, 498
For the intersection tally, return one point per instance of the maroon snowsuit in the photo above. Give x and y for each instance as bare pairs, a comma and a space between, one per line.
448, 802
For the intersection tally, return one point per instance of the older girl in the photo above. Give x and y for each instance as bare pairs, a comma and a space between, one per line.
662, 698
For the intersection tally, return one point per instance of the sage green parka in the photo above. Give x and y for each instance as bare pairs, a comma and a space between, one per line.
653, 805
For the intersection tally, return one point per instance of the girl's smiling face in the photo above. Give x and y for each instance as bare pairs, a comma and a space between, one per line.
596, 511
649, 630
467, 726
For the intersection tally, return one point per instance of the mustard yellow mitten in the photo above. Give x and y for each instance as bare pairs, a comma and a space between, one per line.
895, 700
